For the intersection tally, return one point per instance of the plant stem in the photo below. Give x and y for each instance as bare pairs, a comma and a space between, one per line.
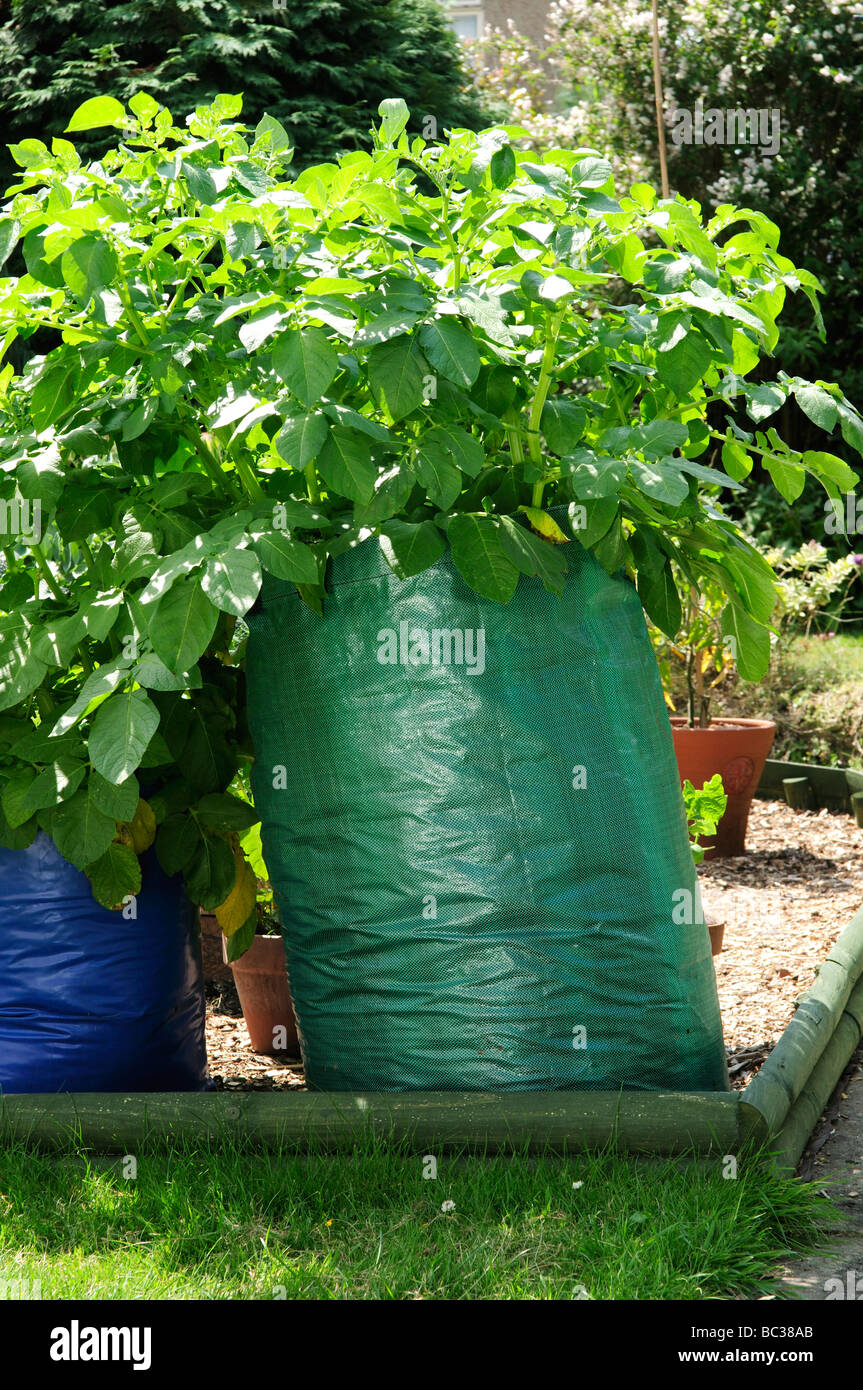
212, 465
46, 573
248, 479
312, 480
534, 448
134, 317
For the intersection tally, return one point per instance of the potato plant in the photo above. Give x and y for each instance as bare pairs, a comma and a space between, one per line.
434, 344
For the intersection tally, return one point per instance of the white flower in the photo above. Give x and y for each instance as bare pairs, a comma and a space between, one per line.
447, 1206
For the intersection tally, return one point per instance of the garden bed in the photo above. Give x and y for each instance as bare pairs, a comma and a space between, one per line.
784, 904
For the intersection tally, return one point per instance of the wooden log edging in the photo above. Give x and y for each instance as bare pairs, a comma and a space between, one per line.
820, 1038
779, 1107
804, 1113
644, 1122
830, 787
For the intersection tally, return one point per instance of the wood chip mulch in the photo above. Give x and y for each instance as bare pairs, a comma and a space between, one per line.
233, 1064
784, 903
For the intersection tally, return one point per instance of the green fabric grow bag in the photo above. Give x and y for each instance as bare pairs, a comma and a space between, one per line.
457, 913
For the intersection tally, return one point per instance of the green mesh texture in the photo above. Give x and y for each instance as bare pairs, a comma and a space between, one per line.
457, 915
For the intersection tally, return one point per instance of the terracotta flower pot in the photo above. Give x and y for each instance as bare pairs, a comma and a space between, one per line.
737, 749
261, 978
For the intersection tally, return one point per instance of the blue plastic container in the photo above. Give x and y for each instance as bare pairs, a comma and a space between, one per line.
90, 1000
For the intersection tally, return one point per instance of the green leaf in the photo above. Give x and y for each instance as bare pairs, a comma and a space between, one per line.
12, 799
591, 520
438, 475
659, 480
182, 624
480, 556
396, 375
562, 424
98, 111
818, 405
684, 363
120, 732
590, 172
659, 437
305, 360
834, 469
735, 459
300, 439
240, 940
660, 599
10, 231
395, 114
754, 580
610, 551
223, 812
143, 105
17, 837
95, 688
212, 872
81, 832
594, 475
392, 490
119, 801
53, 785
152, 673
752, 642
451, 351
346, 465
286, 558
534, 556
763, 401
177, 843
54, 392
232, 581
788, 478
467, 452
502, 167
115, 876
89, 265
408, 548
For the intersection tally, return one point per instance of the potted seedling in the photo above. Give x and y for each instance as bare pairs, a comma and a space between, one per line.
706, 744
257, 960
705, 807
411, 440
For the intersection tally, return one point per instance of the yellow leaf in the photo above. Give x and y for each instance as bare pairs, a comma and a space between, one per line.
235, 911
143, 827
545, 525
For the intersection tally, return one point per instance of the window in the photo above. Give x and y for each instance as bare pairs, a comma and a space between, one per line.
467, 21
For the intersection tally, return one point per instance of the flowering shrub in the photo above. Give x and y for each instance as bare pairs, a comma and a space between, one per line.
808, 580
592, 84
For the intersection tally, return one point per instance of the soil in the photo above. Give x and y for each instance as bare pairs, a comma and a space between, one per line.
784, 903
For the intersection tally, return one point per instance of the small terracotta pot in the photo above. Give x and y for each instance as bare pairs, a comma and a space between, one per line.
261, 977
737, 749
717, 931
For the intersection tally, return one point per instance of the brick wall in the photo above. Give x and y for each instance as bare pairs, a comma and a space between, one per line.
528, 16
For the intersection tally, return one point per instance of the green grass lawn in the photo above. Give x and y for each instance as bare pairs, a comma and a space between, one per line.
213, 1224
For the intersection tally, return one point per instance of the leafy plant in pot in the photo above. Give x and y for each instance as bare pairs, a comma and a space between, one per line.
705, 744
705, 807
257, 960
488, 372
